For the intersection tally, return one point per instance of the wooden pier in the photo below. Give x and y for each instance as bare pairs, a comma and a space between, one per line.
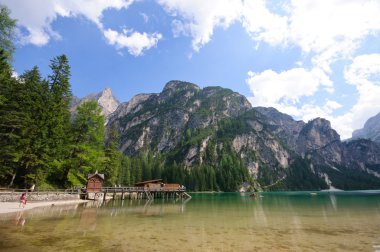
143, 192
149, 189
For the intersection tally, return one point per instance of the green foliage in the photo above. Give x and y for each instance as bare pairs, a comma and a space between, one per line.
40, 143
7, 32
60, 98
113, 158
124, 177
12, 124
349, 179
37, 152
87, 143
301, 177
35, 125
229, 128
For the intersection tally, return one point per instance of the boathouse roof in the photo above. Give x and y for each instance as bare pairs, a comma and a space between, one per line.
96, 174
148, 182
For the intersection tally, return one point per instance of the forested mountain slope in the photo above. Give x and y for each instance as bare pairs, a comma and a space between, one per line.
217, 131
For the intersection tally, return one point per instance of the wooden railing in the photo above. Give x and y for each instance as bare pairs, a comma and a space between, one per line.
143, 189
104, 189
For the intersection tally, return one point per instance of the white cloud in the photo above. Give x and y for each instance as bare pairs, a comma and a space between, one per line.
364, 74
331, 106
198, 18
326, 31
331, 29
283, 91
362, 69
135, 42
262, 24
37, 17
286, 88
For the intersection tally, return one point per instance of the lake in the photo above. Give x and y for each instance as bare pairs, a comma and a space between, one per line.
288, 221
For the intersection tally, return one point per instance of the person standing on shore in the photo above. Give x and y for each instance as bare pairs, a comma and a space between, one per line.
32, 188
22, 200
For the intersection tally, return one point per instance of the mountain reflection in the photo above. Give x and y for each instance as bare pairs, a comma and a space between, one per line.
319, 221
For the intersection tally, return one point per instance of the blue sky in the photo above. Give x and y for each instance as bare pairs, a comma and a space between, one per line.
307, 58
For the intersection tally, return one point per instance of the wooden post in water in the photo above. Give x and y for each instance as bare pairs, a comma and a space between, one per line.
104, 195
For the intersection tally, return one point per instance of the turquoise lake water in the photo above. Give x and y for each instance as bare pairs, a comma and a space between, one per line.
292, 221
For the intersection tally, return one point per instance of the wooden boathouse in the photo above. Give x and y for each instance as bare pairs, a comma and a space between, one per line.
95, 182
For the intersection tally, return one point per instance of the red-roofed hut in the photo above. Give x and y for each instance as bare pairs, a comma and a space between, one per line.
95, 182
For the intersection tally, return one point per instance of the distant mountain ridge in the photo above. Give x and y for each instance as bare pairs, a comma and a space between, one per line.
215, 126
105, 99
371, 130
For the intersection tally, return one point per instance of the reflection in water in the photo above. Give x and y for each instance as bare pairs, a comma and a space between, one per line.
333, 201
87, 220
208, 222
20, 220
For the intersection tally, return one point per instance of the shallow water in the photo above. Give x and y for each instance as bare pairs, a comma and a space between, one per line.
339, 221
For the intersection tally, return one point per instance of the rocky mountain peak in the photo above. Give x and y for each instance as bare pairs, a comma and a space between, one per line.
284, 126
176, 85
274, 114
371, 129
133, 105
316, 134
106, 92
108, 102
105, 99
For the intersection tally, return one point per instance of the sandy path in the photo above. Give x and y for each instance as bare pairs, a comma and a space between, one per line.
9, 207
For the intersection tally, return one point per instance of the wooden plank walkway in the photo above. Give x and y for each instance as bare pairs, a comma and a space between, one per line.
145, 192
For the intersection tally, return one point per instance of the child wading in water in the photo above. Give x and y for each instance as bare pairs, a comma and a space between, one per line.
22, 200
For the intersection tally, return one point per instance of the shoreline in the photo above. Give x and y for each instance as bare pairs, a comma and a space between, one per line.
13, 207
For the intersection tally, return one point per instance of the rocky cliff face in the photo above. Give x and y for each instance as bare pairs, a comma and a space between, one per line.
214, 126
283, 125
371, 130
316, 135
105, 99
159, 121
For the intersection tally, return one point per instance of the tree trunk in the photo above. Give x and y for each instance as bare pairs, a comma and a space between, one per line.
12, 180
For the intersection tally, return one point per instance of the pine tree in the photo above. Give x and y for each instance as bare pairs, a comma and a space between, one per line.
12, 123
125, 171
35, 158
10, 113
87, 146
113, 158
60, 98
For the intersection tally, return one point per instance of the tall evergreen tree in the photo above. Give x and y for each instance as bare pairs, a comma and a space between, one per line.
60, 99
87, 147
12, 124
125, 171
36, 157
113, 157
10, 113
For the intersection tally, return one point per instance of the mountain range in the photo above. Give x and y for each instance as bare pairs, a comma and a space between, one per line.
192, 126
